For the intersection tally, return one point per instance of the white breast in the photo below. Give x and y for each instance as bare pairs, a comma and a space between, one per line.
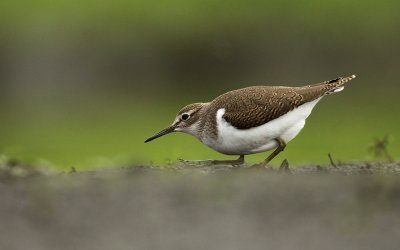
235, 141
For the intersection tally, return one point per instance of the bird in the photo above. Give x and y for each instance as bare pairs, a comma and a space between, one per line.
253, 119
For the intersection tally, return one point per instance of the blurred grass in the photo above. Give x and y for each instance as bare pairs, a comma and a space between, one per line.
194, 19
91, 134
56, 109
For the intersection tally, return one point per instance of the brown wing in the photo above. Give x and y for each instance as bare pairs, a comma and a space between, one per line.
253, 106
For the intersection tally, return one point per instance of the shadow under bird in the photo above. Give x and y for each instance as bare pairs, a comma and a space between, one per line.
253, 119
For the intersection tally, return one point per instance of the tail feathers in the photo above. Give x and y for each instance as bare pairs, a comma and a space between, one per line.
312, 92
336, 85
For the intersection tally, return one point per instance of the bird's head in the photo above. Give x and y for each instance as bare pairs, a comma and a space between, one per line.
187, 120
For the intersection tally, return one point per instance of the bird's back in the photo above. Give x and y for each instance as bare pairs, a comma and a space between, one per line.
254, 106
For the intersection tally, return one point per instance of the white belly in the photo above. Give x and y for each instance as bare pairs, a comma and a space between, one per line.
233, 141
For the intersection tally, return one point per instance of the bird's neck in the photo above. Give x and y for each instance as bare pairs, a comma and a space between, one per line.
207, 124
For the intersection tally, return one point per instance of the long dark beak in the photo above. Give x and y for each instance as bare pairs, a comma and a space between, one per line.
168, 130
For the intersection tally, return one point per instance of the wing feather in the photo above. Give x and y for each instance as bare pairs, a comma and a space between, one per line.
254, 106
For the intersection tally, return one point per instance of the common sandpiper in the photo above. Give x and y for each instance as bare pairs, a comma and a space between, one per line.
253, 119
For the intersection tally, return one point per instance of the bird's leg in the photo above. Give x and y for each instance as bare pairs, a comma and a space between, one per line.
238, 161
280, 148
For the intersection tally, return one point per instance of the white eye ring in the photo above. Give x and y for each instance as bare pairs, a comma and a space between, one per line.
185, 116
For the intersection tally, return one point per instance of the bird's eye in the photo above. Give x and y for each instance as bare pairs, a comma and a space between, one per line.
185, 116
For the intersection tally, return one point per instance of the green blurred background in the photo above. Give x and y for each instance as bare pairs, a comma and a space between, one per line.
83, 83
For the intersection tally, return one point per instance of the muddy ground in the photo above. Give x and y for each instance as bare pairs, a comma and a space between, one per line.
351, 206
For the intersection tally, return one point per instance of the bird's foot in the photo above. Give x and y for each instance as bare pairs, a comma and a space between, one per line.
284, 166
196, 162
234, 163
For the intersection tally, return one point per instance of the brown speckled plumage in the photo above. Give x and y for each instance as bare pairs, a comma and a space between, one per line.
253, 106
